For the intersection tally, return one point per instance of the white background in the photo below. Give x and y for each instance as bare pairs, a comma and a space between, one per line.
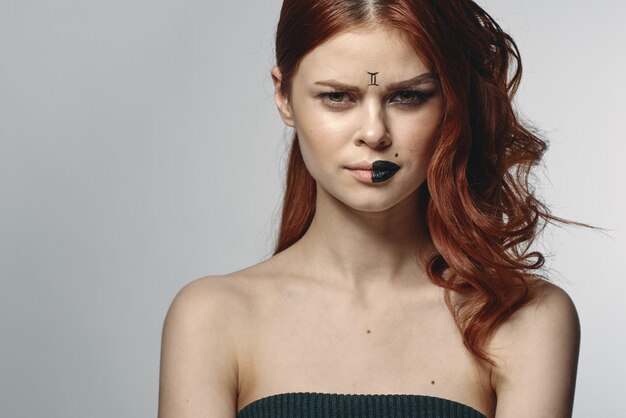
140, 149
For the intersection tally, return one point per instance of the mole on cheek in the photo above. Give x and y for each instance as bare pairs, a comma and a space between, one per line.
396, 154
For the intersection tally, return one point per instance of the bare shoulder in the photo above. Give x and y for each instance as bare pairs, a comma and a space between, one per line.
211, 301
209, 293
199, 348
220, 303
221, 299
536, 356
550, 310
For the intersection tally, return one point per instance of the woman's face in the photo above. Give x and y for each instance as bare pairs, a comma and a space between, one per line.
359, 102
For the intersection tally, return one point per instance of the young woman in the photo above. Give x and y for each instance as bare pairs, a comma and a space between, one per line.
402, 284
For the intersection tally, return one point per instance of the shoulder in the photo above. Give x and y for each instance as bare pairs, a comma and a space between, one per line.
205, 300
550, 310
208, 292
223, 303
200, 347
536, 354
220, 301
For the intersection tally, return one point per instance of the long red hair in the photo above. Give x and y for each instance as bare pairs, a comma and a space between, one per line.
482, 214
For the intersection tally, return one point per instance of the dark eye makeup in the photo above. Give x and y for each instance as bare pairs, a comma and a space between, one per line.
411, 97
403, 99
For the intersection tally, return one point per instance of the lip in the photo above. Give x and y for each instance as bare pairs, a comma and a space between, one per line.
383, 170
362, 165
377, 172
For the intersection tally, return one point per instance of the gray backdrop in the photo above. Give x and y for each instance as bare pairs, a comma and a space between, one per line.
140, 149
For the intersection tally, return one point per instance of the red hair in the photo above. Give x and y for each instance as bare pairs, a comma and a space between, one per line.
482, 214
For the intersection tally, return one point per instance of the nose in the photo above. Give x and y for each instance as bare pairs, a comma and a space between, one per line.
373, 130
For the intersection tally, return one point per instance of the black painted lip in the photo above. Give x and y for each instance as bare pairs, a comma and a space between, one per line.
383, 170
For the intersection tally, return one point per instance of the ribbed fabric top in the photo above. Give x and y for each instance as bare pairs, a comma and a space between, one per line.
335, 405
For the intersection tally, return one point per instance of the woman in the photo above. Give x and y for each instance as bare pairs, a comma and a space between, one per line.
402, 283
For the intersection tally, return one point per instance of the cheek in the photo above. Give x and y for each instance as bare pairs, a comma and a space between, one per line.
321, 136
317, 148
315, 144
415, 135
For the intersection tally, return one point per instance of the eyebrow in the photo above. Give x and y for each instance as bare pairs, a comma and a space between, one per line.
412, 82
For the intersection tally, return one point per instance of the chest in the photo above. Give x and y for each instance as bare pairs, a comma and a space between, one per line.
319, 346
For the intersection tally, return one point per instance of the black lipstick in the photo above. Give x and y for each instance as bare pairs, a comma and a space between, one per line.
383, 170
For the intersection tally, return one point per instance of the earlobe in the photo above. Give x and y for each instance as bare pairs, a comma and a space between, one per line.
282, 102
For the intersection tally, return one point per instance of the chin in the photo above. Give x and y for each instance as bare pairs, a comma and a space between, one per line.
372, 199
372, 204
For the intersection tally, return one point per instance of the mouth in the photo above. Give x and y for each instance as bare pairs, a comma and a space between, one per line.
383, 170
377, 172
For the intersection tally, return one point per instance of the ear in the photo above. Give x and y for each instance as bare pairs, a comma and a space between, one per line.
282, 102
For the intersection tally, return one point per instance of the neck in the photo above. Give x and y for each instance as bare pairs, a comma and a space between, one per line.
359, 250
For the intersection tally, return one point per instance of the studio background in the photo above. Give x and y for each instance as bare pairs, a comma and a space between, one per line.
140, 149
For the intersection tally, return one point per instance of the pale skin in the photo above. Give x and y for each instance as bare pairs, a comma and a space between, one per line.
349, 307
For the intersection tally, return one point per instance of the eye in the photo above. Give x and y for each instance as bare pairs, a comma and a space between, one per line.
410, 97
336, 99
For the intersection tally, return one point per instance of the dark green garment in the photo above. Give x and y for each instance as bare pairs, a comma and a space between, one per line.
334, 405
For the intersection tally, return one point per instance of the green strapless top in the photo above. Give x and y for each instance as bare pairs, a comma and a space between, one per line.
335, 405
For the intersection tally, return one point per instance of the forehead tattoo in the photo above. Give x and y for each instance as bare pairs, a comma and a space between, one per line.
372, 78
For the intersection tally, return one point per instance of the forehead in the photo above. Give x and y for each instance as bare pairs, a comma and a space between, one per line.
352, 53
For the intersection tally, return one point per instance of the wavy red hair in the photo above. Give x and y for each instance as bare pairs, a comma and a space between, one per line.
482, 214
